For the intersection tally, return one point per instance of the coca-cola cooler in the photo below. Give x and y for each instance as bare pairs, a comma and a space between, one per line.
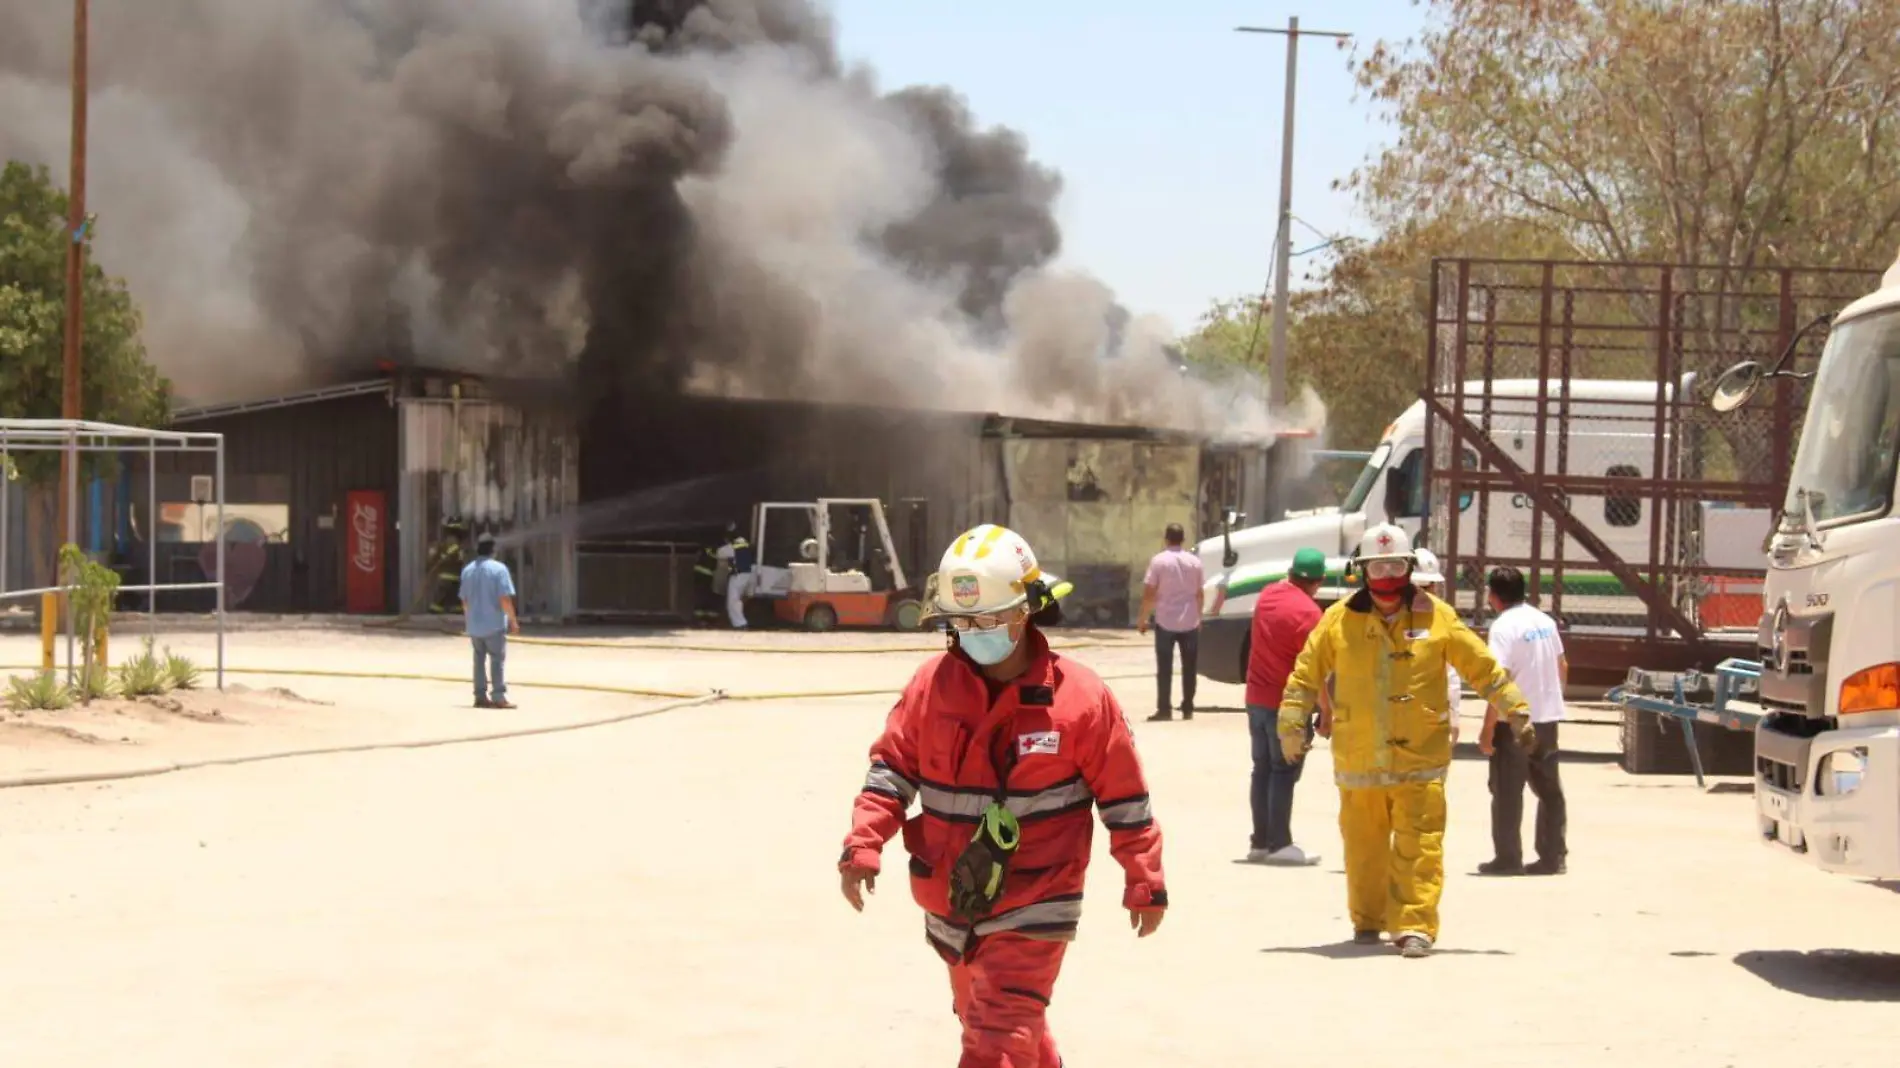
365, 551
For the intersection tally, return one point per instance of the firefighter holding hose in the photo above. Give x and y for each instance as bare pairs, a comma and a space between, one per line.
1007, 746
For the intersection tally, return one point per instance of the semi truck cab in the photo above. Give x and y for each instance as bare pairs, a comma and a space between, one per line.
1827, 753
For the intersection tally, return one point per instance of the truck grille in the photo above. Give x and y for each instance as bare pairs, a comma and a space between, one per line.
1781, 776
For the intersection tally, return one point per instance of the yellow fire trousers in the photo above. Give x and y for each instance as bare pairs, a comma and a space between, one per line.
1394, 838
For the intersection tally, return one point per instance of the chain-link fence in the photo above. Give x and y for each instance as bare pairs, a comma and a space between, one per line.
1570, 435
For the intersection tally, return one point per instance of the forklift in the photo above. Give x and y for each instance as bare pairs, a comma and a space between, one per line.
831, 563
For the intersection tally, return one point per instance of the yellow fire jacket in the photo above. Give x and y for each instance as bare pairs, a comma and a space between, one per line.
1391, 704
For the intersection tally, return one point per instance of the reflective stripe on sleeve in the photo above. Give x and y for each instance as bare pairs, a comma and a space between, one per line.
967, 805
1127, 814
884, 779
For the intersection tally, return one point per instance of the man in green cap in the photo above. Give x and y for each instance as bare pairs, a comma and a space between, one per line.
1283, 615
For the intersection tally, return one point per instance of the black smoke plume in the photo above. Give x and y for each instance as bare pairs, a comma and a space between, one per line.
628, 195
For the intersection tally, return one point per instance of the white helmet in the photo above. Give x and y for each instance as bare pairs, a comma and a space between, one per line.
1386, 542
988, 569
1427, 572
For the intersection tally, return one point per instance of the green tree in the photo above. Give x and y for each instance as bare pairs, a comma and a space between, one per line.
1357, 337
118, 384
1595, 129
1740, 134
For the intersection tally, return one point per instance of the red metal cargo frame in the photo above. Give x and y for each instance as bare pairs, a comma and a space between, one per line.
1560, 321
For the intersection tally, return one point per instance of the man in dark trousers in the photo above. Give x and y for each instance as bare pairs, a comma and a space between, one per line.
1283, 615
1525, 641
1171, 600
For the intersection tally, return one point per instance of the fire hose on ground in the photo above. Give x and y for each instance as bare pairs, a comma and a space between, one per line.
676, 701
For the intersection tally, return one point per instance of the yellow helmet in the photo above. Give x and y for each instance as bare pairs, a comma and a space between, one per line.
989, 569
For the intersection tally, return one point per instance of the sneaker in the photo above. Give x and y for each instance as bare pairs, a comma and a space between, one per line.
1292, 857
1413, 945
483, 702
1501, 867
1544, 867
501, 704
1365, 938
1161, 717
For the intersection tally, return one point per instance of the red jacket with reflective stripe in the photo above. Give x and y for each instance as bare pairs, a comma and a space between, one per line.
1074, 750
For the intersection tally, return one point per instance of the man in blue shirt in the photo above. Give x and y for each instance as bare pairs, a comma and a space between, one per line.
488, 613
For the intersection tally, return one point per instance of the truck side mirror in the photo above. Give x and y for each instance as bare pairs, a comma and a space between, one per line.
1229, 519
1736, 385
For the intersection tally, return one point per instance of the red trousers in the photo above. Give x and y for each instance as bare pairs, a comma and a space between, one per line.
1001, 991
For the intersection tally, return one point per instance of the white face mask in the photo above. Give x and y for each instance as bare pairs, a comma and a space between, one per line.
987, 647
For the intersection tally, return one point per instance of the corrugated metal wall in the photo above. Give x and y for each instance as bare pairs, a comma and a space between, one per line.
1096, 510
504, 472
305, 455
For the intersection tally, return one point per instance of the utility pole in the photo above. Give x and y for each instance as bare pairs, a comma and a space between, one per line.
1283, 244
70, 384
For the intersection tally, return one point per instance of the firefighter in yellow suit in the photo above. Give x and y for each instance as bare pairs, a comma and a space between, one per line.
1386, 648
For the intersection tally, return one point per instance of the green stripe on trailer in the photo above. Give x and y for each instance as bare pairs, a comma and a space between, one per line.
1247, 581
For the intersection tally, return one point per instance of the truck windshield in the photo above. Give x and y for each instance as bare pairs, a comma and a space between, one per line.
1356, 499
1846, 458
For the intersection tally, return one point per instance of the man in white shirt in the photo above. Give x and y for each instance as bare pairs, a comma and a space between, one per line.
1526, 642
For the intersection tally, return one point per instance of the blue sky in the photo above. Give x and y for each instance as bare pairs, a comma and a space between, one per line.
1166, 127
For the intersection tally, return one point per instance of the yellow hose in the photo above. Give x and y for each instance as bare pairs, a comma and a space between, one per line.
776, 650
583, 687
793, 650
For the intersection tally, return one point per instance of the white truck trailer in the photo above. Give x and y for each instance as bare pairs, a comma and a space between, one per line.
1607, 436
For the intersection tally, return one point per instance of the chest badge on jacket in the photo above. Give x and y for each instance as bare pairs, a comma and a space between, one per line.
1047, 743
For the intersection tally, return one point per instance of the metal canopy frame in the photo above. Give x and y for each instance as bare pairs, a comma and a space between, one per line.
75, 437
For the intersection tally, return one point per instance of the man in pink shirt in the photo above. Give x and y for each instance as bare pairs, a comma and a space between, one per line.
1171, 598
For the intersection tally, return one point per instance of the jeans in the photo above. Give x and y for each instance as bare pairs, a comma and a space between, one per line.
490, 649
1165, 641
1273, 780
1511, 770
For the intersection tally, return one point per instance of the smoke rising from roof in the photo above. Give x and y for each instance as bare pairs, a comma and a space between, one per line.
635, 194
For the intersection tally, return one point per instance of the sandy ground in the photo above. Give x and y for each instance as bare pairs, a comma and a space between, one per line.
661, 893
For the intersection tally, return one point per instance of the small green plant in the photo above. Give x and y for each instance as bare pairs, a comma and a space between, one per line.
40, 692
181, 672
145, 675
94, 682
93, 588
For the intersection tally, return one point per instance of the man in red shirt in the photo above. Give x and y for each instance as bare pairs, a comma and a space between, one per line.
1283, 615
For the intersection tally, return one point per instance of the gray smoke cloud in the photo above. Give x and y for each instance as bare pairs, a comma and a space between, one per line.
628, 194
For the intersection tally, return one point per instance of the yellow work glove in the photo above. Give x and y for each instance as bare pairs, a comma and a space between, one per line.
1292, 746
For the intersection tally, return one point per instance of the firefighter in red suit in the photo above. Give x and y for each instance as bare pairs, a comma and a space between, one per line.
1007, 746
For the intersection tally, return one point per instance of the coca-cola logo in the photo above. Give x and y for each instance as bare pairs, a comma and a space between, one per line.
364, 522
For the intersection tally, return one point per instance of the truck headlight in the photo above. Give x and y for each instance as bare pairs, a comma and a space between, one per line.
1840, 772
